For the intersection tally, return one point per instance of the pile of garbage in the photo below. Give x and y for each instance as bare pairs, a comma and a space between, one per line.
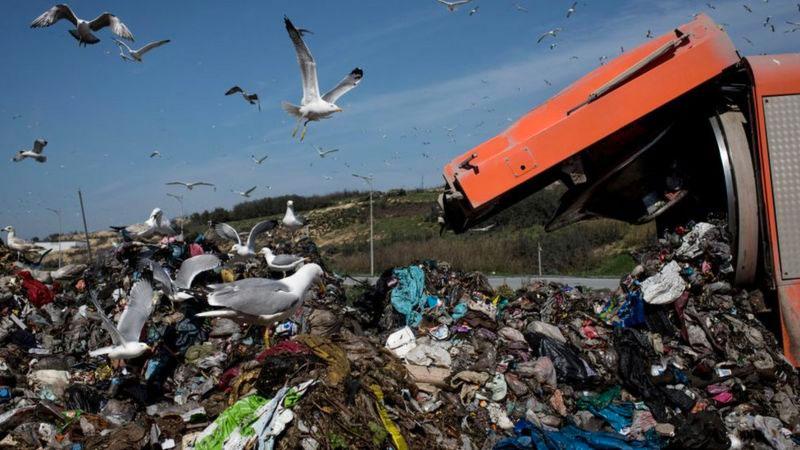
427, 357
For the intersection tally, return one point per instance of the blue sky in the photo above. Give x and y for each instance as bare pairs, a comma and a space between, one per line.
426, 70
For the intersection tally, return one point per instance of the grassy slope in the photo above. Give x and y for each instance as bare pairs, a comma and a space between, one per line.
405, 230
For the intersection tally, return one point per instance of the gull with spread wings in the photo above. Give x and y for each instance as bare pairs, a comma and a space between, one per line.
313, 107
453, 5
34, 153
226, 231
83, 28
136, 55
190, 268
125, 335
250, 98
189, 186
245, 194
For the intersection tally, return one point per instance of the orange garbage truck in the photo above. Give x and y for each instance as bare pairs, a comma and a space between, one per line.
677, 129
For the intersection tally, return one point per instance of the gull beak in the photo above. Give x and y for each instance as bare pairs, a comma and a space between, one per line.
339, 110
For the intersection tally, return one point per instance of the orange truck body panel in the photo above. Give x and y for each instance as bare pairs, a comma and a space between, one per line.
548, 135
776, 75
572, 121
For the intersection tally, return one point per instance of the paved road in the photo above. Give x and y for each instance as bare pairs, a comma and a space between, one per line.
516, 282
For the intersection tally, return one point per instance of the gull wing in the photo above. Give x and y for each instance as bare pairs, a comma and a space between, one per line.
202, 183
161, 276
109, 20
233, 90
193, 267
116, 337
151, 46
140, 305
177, 183
344, 86
226, 231
53, 15
257, 229
38, 146
286, 260
253, 296
249, 191
121, 44
308, 68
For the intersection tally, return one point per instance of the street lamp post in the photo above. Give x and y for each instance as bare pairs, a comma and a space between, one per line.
369, 180
60, 232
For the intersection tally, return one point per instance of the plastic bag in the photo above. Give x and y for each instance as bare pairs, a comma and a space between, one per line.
570, 367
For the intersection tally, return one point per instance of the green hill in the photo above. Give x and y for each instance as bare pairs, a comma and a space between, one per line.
406, 230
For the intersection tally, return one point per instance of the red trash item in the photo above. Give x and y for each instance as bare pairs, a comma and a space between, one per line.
195, 249
35, 290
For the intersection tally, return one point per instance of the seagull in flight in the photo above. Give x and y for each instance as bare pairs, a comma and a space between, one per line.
35, 153
136, 55
190, 268
175, 196
552, 33
261, 300
649, 35
125, 335
571, 9
795, 27
453, 5
747, 8
189, 186
520, 8
323, 153
155, 154
312, 106
474, 11
245, 194
226, 231
258, 160
83, 29
251, 98
710, 6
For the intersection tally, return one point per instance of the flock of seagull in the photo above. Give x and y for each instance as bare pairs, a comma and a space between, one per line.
312, 107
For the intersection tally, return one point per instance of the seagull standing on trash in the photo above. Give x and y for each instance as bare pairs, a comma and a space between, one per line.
125, 335
136, 55
190, 268
312, 106
226, 231
83, 28
34, 153
18, 244
261, 300
282, 263
290, 220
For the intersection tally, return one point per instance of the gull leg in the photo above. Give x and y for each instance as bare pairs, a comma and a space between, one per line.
296, 127
267, 334
303, 134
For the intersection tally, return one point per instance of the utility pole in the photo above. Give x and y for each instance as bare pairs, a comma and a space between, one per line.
60, 232
369, 179
85, 228
539, 250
